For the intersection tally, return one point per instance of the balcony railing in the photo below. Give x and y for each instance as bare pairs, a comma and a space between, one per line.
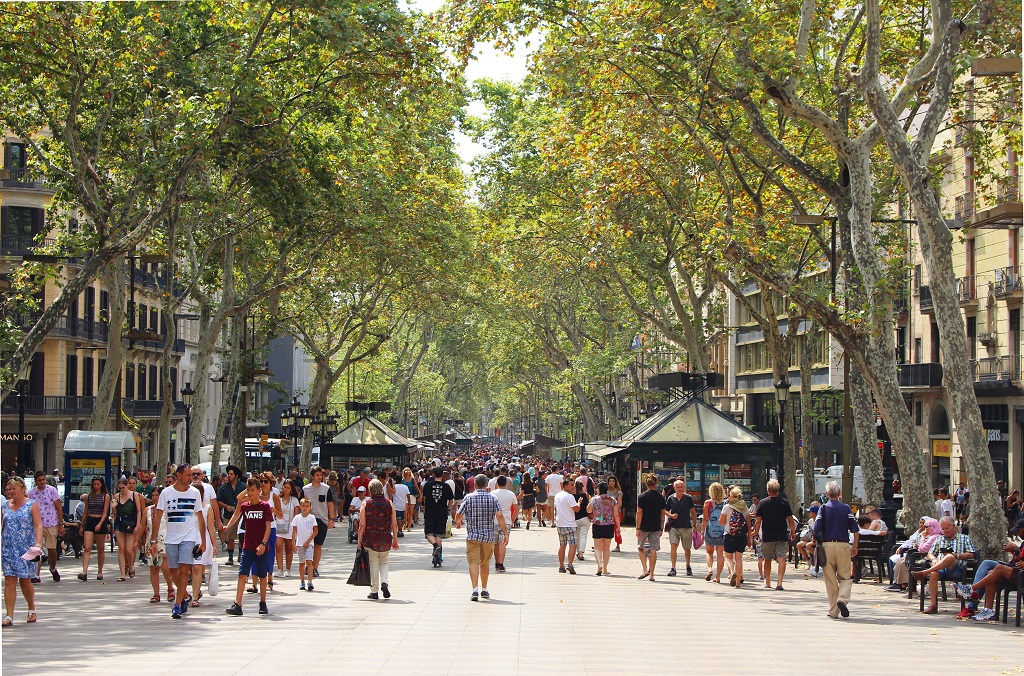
925, 299
963, 206
22, 177
76, 327
920, 375
1008, 190
1004, 368
21, 245
177, 348
967, 290
49, 405
1008, 282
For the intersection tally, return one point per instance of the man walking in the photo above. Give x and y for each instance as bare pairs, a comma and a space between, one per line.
553, 482
832, 529
681, 516
183, 505
51, 512
479, 510
227, 498
506, 499
321, 497
567, 505
774, 520
438, 498
650, 515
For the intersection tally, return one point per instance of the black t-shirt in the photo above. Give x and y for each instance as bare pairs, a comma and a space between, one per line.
774, 513
651, 502
436, 495
583, 506
681, 508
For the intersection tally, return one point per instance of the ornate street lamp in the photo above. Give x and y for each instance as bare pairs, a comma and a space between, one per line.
186, 398
782, 395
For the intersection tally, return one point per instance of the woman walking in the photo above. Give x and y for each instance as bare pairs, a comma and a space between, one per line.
714, 532
604, 515
413, 485
127, 509
158, 563
528, 494
95, 526
542, 497
615, 491
736, 521
582, 518
285, 543
378, 534
22, 528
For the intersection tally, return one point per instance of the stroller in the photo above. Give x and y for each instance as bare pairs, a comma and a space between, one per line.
353, 527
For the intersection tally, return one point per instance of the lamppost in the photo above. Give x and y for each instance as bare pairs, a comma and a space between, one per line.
782, 395
295, 419
23, 460
186, 398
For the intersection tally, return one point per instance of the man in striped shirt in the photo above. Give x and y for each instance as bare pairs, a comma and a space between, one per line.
479, 509
947, 555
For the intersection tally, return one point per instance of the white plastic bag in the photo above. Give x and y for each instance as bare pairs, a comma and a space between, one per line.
214, 586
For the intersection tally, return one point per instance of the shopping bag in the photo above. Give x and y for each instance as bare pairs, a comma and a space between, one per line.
360, 576
213, 587
448, 528
698, 539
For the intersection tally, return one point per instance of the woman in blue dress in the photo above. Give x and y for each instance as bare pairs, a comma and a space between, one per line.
22, 529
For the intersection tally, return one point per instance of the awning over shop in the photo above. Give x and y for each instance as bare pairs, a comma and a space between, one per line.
82, 440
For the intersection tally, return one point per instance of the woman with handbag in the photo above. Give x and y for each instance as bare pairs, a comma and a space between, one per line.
604, 515
22, 535
615, 493
127, 511
378, 534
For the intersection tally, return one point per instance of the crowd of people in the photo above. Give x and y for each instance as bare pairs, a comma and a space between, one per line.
179, 526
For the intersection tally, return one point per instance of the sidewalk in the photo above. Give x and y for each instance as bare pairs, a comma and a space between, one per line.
537, 622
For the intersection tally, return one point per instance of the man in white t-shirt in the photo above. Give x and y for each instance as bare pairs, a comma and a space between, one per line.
506, 499
944, 506
183, 506
554, 482
566, 508
403, 505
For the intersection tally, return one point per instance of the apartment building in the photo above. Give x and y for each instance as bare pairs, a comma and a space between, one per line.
982, 195
57, 392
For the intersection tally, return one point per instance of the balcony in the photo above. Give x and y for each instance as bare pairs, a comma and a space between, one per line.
25, 179
1008, 283
963, 206
925, 299
82, 329
158, 345
141, 408
967, 291
48, 405
1008, 190
920, 375
21, 245
996, 369
150, 281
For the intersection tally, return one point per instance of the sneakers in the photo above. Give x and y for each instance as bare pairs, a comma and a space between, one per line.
234, 609
500, 567
176, 612
475, 596
184, 604
435, 559
302, 586
485, 594
672, 572
309, 587
689, 571
384, 590
263, 608
986, 615
965, 614
288, 573
964, 590
55, 574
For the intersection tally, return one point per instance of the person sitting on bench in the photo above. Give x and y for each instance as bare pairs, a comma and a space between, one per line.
991, 574
948, 555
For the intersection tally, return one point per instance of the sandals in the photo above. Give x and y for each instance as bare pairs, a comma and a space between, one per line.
643, 575
170, 594
122, 578
732, 581
252, 589
931, 610
83, 577
100, 576
31, 616
131, 573
779, 588
8, 620
195, 603
155, 598
707, 578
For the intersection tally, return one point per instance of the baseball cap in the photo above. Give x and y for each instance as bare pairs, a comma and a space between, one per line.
361, 489
1018, 526
813, 508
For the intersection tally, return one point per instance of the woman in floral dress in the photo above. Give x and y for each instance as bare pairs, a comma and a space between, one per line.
22, 529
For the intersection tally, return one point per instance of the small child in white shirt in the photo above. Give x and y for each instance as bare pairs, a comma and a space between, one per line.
304, 531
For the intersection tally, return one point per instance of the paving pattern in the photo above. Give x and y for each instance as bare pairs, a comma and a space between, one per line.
538, 622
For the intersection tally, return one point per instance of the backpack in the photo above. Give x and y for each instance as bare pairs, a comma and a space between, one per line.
715, 529
737, 523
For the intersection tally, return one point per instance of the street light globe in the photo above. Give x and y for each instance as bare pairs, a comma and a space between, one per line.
186, 395
782, 390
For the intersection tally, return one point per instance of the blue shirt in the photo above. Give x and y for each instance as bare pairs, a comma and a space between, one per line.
479, 509
837, 524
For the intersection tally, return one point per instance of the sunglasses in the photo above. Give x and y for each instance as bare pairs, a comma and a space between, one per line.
264, 481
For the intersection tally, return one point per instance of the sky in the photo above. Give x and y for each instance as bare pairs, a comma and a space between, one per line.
488, 62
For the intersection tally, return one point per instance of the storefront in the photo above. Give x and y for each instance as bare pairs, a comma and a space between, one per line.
367, 443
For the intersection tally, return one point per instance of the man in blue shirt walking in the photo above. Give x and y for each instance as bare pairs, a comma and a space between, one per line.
832, 529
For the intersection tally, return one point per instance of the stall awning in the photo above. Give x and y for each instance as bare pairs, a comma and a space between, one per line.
599, 454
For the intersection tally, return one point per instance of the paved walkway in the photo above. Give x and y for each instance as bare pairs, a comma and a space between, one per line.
538, 622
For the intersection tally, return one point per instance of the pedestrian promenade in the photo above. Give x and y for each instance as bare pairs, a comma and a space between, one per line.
538, 622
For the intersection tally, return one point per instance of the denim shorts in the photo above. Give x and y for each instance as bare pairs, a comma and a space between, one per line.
249, 562
180, 554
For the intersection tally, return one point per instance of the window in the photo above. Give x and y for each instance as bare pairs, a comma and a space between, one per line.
143, 316
901, 345
917, 277
23, 221
154, 320
918, 351
87, 376
153, 382
918, 413
936, 348
972, 337
71, 376
17, 158
104, 306
129, 380
90, 303
1013, 339
141, 392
